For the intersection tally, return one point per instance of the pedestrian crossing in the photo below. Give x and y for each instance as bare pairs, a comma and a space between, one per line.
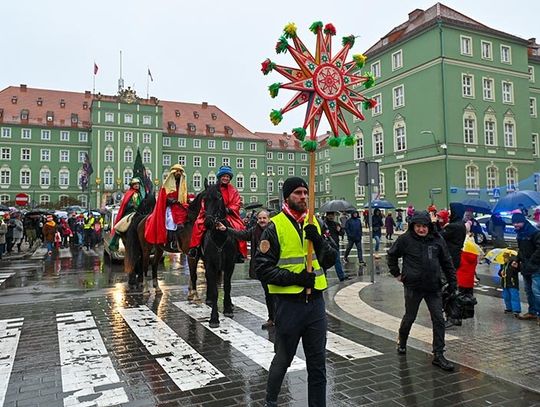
89, 371
4, 277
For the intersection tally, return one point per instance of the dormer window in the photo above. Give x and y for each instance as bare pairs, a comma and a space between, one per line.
14, 100
210, 129
39, 101
171, 126
62, 103
228, 131
196, 115
214, 116
191, 127
24, 114
177, 113
50, 117
85, 105
74, 118
1, 114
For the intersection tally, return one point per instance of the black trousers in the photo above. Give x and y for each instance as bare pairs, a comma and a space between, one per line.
433, 300
270, 306
295, 319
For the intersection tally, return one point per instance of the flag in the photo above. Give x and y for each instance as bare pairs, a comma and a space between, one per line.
139, 171
150, 75
87, 170
96, 68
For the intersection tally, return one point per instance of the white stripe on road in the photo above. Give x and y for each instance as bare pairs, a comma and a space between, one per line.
85, 363
64, 253
5, 276
255, 347
348, 300
39, 253
334, 343
188, 369
10, 332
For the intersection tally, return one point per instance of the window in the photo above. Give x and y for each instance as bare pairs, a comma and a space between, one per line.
290, 171
490, 135
109, 117
196, 143
507, 92
469, 130
402, 183
182, 142
4, 199
80, 156
376, 69
467, 85
531, 73
64, 136
269, 155
225, 145
377, 110
108, 178
303, 171
487, 87
535, 145
270, 170
45, 154
359, 146
506, 54
5, 176
83, 137
128, 137
109, 135
327, 185
211, 144
399, 96
511, 178
240, 181
239, 145
26, 134
166, 141
487, 52
196, 181
381, 184
509, 134
253, 181
466, 45
166, 159
253, 163
211, 162
270, 186
397, 60
44, 177
212, 178
128, 155
63, 178
128, 118
472, 180
252, 146
196, 161
239, 163
492, 177
378, 142
303, 157
45, 135
532, 107
226, 161
147, 120
44, 200
6, 132
280, 156
109, 154
146, 138
182, 160
25, 177
290, 156
64, 156
400, 139
6, 153
280, 170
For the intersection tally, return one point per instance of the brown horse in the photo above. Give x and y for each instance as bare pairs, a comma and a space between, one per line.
138, 250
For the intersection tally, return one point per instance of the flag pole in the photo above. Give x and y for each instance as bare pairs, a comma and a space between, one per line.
94, 80
148, 83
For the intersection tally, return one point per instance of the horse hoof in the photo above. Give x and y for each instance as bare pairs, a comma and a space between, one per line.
229, 314
214, 324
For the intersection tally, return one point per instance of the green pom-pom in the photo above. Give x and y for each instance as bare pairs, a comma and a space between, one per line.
299, 133
315, 27
309, 145
274, 89
369, 104
282, 45
276, 117
334, 141
348, 40
370, 81
349, 141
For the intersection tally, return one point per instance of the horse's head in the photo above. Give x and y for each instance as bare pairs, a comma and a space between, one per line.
214, 206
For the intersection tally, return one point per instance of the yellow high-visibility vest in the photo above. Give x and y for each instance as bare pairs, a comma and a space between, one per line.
293, 255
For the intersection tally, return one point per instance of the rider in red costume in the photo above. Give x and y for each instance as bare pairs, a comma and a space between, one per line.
232, 201
130, 202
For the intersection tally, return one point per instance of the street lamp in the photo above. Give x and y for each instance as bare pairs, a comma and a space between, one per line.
441, 146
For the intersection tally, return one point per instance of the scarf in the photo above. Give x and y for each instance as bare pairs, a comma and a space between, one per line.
296, 215
170, 185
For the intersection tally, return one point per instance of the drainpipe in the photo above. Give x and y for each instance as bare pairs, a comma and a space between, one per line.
445, 121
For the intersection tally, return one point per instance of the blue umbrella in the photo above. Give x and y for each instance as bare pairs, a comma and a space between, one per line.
380, 203
477, 205
516, 200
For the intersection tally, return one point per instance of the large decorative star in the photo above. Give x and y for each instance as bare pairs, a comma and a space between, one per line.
327, 84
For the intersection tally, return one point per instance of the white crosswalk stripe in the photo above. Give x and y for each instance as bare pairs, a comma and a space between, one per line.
188, 369
10, 333
4, 277
258, 349
85, 364
334, 343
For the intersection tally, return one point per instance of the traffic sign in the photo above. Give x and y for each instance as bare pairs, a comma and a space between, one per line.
496, 192
22, 199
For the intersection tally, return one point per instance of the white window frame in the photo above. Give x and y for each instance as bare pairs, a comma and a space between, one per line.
128, 118
182, 160
63, 178
211, 162
530, 70
378, 141
197, 143
290, 156
510, 137
303, 157
359, 152
253, 182
253, 163
226, 161
44, 177
490, 134
511, 173
166, 141
147, 158
197, 161
401, 181
64, 135
239, 182
25, 177
472, 177
182, 142
128, 156
45, 135
377, 110
109, 135
467, 85
63, 156
108, 155
532, 107
26, 134
225, 145
211, 144
252, 146
376, 69
466, 45
508, 58
507, 92
239, 163
397, 60
83, 137
5, 153
26, 154
398, 100
486, 46
488, 89
239, 146
492, 177
45, 155
535, 140
147, 138
400, 140
109, 117
147, 120
166, 159
469, 129
6, 132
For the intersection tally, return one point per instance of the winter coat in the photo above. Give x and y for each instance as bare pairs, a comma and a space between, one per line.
528, 241
18, 229
389, 224
454, 232
252, 234
468, 262
49, 230
332, 227
423, 258
353, 228
377, 224
509, 275
3, 231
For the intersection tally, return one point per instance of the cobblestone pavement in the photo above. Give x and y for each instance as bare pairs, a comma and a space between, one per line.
71, 335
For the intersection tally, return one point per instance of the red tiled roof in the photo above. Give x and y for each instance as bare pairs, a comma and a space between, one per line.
39, 102
204, 117
280, 141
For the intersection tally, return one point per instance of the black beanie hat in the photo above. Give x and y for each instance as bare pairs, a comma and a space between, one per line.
291, 184
518, 218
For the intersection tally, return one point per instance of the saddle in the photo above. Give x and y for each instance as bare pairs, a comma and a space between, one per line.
123, 224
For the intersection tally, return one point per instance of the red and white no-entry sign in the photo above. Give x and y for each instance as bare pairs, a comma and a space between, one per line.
22, 199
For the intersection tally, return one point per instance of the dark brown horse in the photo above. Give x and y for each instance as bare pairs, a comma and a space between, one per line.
139, 251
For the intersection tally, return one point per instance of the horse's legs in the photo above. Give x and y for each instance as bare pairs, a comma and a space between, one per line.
155, 263
192, 293
228, 307
212, 294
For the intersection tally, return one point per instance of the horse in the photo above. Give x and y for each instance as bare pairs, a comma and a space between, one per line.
139, 250
220, 251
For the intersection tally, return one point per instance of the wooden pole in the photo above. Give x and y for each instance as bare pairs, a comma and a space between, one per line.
311, 202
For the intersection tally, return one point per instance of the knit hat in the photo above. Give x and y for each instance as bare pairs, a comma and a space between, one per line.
291, 184
519, 218
421, 218
224, 169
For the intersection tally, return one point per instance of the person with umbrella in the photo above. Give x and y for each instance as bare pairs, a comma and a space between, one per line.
334, 232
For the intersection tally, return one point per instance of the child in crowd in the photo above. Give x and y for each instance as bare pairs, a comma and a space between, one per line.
510, 285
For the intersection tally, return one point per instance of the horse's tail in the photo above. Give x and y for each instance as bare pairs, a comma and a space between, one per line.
133, 253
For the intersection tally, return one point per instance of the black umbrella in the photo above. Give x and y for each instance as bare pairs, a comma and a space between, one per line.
477, 205
254, 205
380, 203
337, 205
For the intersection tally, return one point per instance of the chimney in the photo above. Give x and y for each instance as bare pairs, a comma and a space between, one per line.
23, 87
204, 105
415, 13
87, 94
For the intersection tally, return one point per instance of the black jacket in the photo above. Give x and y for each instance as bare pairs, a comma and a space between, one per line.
252, 234
266, 263
423, 259
529, 251
454, 233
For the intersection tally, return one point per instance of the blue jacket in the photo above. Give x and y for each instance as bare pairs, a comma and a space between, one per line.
353, 228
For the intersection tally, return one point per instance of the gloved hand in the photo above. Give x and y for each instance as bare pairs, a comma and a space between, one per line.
312, 233
305, 279
171, 201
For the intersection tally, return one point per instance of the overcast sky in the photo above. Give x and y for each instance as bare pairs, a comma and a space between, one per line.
202, 50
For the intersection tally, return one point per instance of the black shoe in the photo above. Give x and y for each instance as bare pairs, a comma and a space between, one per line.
442, 362
448, 323
401, 350
345, 278
268, 324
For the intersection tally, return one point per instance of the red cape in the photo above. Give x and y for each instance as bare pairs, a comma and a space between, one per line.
155, 231
127, 197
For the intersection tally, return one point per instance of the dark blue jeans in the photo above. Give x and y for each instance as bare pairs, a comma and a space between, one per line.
528, 285
295, 319
358, 244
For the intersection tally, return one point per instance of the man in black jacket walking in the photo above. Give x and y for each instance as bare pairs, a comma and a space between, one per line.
424, 254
